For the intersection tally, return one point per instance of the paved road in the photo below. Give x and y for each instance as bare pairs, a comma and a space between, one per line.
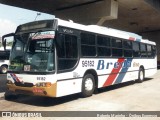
125, 97
2, 83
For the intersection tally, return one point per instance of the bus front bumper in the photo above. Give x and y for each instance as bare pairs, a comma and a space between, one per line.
36, 91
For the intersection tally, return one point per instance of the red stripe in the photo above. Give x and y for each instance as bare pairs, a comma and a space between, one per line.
16, 78
132, 38
113, 74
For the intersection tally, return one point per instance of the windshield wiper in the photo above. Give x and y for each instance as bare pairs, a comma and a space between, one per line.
35, 34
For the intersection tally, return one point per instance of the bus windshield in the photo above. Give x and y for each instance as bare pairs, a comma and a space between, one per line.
33, 52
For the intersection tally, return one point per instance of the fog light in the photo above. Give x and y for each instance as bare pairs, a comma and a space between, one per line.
38, 84
48, 84
43, 84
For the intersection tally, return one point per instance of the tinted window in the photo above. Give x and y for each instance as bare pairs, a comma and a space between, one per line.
154, 52
117, 52
87, 39
67, 51
88, 50
149, 50
127, 44
117, 48
103, 46
143, 50
67, 46
103, 41
128, 53
136, 49
103, 51
116, 43
88, 44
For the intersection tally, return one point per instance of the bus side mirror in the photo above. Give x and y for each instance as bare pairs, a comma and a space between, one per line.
4, 41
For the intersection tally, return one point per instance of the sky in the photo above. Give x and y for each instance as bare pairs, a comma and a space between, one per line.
11, 17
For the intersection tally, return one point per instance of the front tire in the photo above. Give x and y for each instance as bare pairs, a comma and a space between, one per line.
88, 85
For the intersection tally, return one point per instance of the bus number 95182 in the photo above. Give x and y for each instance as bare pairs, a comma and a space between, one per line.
87, 63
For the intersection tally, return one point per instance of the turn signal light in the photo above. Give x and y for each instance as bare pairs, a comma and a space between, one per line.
48, 84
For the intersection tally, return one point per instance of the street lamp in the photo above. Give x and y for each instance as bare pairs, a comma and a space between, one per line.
37, 16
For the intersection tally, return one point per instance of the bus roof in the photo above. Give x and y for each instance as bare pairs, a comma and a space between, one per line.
104, 31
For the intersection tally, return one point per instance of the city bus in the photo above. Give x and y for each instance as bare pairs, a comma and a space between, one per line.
55, 58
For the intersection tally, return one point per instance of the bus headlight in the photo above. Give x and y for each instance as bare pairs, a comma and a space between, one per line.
43, 84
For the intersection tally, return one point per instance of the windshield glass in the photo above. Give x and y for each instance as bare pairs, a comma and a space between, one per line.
33, 52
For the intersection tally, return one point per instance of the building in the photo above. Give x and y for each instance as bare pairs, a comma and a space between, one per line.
138, 16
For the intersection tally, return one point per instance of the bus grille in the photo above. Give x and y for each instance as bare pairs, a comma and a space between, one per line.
24, 84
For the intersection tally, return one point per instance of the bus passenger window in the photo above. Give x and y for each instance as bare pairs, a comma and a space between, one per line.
67, 51
116, 52
149, 51
143, 50
136, 49
117, 47
116, 43
103, 46
127, 46
154, 51
88, 45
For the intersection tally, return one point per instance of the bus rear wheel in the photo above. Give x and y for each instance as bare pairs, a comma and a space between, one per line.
88, 85
141, 75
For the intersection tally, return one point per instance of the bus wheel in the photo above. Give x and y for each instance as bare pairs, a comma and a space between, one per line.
4, 69
88, 85
141, 75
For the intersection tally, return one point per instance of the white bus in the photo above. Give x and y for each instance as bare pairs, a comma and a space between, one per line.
56, 58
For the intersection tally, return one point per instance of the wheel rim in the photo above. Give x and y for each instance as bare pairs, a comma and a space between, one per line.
4, 70
88, 84
141, 75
